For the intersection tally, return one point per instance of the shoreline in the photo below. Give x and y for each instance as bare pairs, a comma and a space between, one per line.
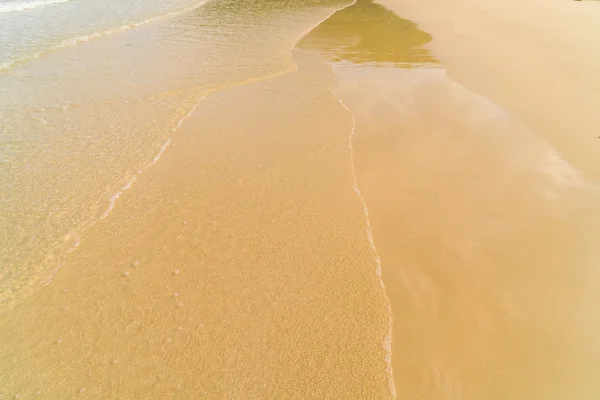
478, 222
387, 342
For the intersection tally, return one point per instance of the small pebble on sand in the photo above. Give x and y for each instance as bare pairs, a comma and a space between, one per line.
126, 273
176, 272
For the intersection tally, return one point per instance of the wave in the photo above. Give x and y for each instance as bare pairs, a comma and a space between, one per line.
27, 5
85, 38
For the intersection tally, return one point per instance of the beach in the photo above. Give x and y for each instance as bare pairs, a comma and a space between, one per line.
301, 200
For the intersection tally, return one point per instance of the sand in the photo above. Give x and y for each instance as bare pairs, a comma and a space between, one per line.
487, 242
537, 59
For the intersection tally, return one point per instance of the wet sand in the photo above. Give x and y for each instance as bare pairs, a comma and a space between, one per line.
487, 234
487, 242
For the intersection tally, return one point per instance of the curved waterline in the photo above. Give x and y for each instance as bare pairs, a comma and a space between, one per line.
387, 341
290, 68
86, 38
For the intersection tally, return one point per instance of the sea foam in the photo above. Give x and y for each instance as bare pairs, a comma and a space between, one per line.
85, 38
27, 5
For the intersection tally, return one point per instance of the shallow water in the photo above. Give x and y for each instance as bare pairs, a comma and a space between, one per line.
236, 265
81, 123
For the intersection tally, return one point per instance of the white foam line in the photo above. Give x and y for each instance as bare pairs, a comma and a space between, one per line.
168, 142
27, 5
157, 157
47, 280
113, 200
160, 152
86, 38
387, 341
115, 197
